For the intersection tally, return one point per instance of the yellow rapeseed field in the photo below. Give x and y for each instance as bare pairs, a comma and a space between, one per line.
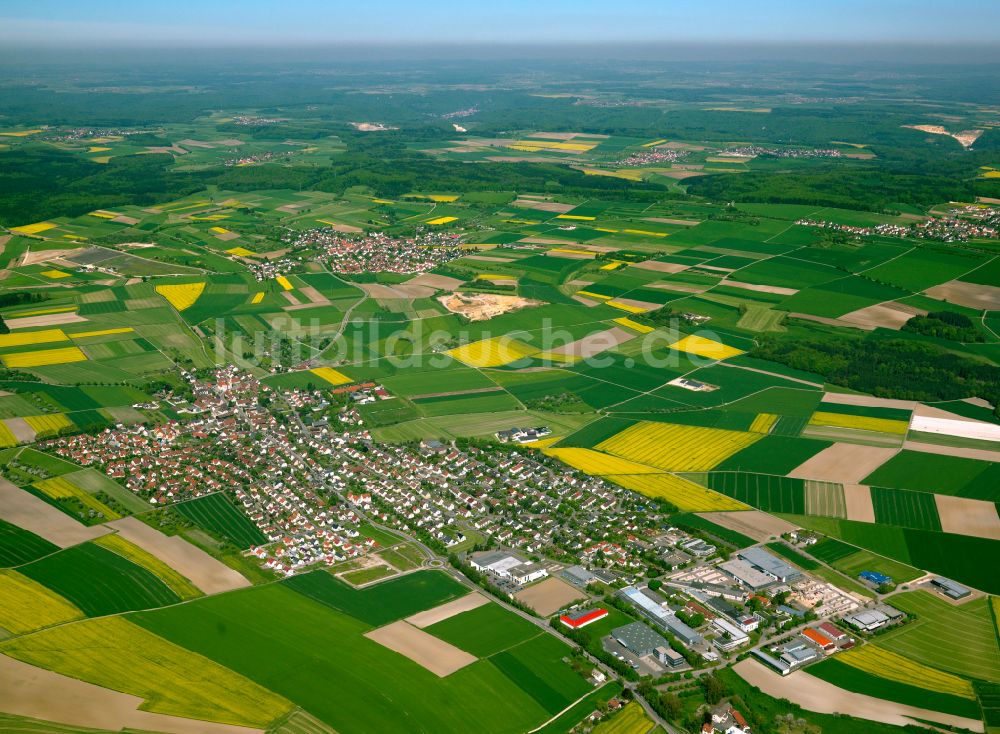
130, 551
114, 653
29, 606
555, 145
42, 312
331, 375
58, 488
33, 228
862, 422
441, 220
241, 252
51, 422
676, 448
102, 332
653, 143
44, 357
591, 294
703, 347
893, 666
630, 720
7, 438
579, 217
494, 352
626, 307
257, 297
595, 462
219, 230
181, 296
285, 283
55, 274
613, 265
633, 325
25, 338
763, 423
645, 232
680, 492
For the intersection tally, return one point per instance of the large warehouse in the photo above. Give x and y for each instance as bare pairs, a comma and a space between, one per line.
769, 564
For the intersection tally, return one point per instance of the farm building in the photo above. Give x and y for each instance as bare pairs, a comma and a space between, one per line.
780, 665
769, 564
949, 588
658, 615
873, 619
818, 638
747, 575
579, 619
874, 577
506, 565
832, 632
639, 639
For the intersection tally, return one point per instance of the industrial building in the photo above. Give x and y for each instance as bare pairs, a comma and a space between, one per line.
769, 564
639, 639
669, 657
660, 616
747, 575
875, 578
949, 588
505, 565
872, 619
732, 638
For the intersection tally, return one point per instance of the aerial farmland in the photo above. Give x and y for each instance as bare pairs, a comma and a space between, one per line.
508, 398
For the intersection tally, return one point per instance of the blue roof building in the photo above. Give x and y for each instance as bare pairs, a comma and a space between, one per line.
875, 577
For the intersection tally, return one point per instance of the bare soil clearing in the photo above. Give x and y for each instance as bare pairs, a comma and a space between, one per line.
549, 596
27, 511
482, 306
868, 401
968, 517
761, 288
817, 695
960, 451
26, 690
889, 316
438, 282
596, 343
753, 523
843, 462
205, 572
660, 267
543, 206
447, 610
49, 319
21, 430
973, 295
858, 499
437, 656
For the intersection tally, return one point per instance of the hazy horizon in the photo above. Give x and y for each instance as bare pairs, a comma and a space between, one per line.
186, 23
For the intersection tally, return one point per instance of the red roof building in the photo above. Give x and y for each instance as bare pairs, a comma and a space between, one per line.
818, 637
832, 632
577, 620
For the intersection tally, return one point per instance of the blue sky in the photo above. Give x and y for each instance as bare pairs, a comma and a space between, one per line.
282, 22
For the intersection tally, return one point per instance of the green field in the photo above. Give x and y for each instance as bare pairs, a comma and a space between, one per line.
762, 491
377, 689
99, 582
485, 630
382, 603
906, 509
705, 524
939, 474
218, 515
18, 545
959, 639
